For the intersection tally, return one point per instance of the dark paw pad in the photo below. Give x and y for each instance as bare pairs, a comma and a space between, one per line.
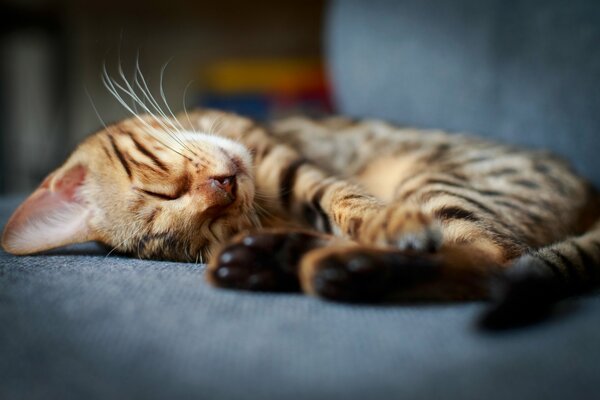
262, 262
367, 276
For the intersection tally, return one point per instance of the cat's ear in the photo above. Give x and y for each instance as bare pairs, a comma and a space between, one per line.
52, 216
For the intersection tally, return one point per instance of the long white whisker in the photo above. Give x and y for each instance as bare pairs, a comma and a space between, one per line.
113, 87
89, 96
110, 86
187, 115
164, 99
148, 94
162, 94
123, 242
134, 78
130, 91
212, 129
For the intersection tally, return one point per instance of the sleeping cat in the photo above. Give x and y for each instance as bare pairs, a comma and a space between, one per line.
346, 210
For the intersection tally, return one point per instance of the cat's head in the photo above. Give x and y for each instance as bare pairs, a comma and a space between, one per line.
161, 188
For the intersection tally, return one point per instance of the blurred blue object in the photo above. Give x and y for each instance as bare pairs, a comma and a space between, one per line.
257, 106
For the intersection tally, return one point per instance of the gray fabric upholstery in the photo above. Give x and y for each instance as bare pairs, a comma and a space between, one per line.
523, 71
75, 324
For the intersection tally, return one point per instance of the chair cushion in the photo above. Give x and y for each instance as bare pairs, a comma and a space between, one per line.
78, 324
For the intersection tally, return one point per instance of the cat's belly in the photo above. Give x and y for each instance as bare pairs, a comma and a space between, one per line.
381, 177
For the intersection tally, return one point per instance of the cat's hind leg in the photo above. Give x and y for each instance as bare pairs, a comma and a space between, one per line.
367, 274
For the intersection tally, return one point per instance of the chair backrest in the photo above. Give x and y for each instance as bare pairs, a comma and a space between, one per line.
521, 71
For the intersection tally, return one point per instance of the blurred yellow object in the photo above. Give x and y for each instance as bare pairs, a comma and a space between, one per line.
264, 76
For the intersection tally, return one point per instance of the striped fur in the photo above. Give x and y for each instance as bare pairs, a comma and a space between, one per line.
469, 207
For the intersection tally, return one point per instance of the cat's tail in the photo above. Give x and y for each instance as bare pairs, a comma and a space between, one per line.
539, 279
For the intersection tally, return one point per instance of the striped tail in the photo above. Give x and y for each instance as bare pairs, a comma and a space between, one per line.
529, 290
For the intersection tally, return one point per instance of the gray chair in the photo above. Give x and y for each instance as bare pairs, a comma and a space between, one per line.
76, 324
522, 71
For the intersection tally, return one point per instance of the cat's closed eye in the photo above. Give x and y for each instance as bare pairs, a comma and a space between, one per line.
166, 188
159, 195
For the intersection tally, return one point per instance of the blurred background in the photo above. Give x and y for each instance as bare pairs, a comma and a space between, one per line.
521, 71
258, 58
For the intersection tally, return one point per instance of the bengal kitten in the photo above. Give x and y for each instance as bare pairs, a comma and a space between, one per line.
344, 210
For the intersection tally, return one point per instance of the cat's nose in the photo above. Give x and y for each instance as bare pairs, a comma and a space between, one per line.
225, 184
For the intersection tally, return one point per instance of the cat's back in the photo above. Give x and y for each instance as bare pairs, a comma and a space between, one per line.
349, 146
394, 162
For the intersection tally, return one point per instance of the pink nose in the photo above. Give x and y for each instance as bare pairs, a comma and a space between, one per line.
225, 183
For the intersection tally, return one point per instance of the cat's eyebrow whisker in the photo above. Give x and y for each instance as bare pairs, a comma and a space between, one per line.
187, 115
215, 125
89, 96
113, 87
110, 86
135, 78
130, 91
153, 103
210, 127
164, 98
148, 94
109, 128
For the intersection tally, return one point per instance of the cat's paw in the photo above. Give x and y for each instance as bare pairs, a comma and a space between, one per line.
362, 274
405, 229
262, 261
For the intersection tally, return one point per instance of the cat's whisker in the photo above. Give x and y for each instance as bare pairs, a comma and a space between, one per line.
187, 115
134, 78
164, 120
195, 145
110, 86
217, 125
209, 130
131, 93
255, 220
213, 121
89, 96
129, 90
164, 98
124, 241
154, 103
262, 210
265, 196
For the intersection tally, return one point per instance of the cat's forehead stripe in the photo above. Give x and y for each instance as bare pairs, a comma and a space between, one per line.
142, 149
120, 156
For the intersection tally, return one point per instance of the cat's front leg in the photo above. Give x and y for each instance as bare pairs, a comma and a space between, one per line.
403, 227
264, 261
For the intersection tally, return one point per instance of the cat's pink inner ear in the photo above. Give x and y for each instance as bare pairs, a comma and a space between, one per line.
52, 216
